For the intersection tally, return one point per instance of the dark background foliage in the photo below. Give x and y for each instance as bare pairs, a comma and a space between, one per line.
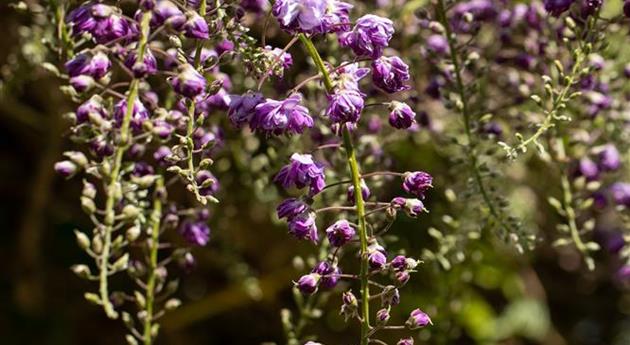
243, 278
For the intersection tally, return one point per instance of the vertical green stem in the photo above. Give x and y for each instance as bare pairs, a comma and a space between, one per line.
113, 189
191, 107
359, 202
461, 90
156, 216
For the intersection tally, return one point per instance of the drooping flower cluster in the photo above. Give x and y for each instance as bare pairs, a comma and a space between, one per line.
367, 39
157, 129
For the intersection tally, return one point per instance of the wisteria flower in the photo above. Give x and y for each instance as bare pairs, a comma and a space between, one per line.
195, 233
390, 74
301, 172
340, 233
345, 105
242, 108
290, 208
401, 115
417, 183
139, 114
189, 82
303, 227
281, 117
370, 35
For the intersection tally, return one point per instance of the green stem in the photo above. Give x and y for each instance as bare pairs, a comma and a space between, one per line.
360, 205
113, 190
191, 109
461, 90
557, 104
153, 260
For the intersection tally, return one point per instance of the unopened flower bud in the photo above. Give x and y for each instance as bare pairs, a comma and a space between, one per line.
77, 157
172, 304
405, 341
308, 283
130, 211
89, 190
82, 240
66, 169
418, 319
382, 316
81, 270
132, 233
88, 205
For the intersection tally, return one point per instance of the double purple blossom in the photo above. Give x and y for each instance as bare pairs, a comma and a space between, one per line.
303, 171
370, 35
281, 117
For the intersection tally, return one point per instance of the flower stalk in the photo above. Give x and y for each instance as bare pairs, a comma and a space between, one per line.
359, 202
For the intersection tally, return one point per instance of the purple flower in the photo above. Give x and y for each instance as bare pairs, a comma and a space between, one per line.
437, 44
390, 74
621, 193
303, 227
208, 184
161, 155
139, 114
102, 21
166, 12
365, 192
340, 233
196, 27
312, 16
95, 66
307, 284
405, 341
609, 159
162, 129
413, 207
337, 17
224, 46
329, 274
401, 116
399, 263
242, 109
587, 168
418, 319
345, 105
66, 169
557, 7
195, 233
82, 83
148, 66
281, 117
377, 260
417, 183
369, 36
189, 82
300, 15
382, 316
376, 256
290, 208
92, 108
